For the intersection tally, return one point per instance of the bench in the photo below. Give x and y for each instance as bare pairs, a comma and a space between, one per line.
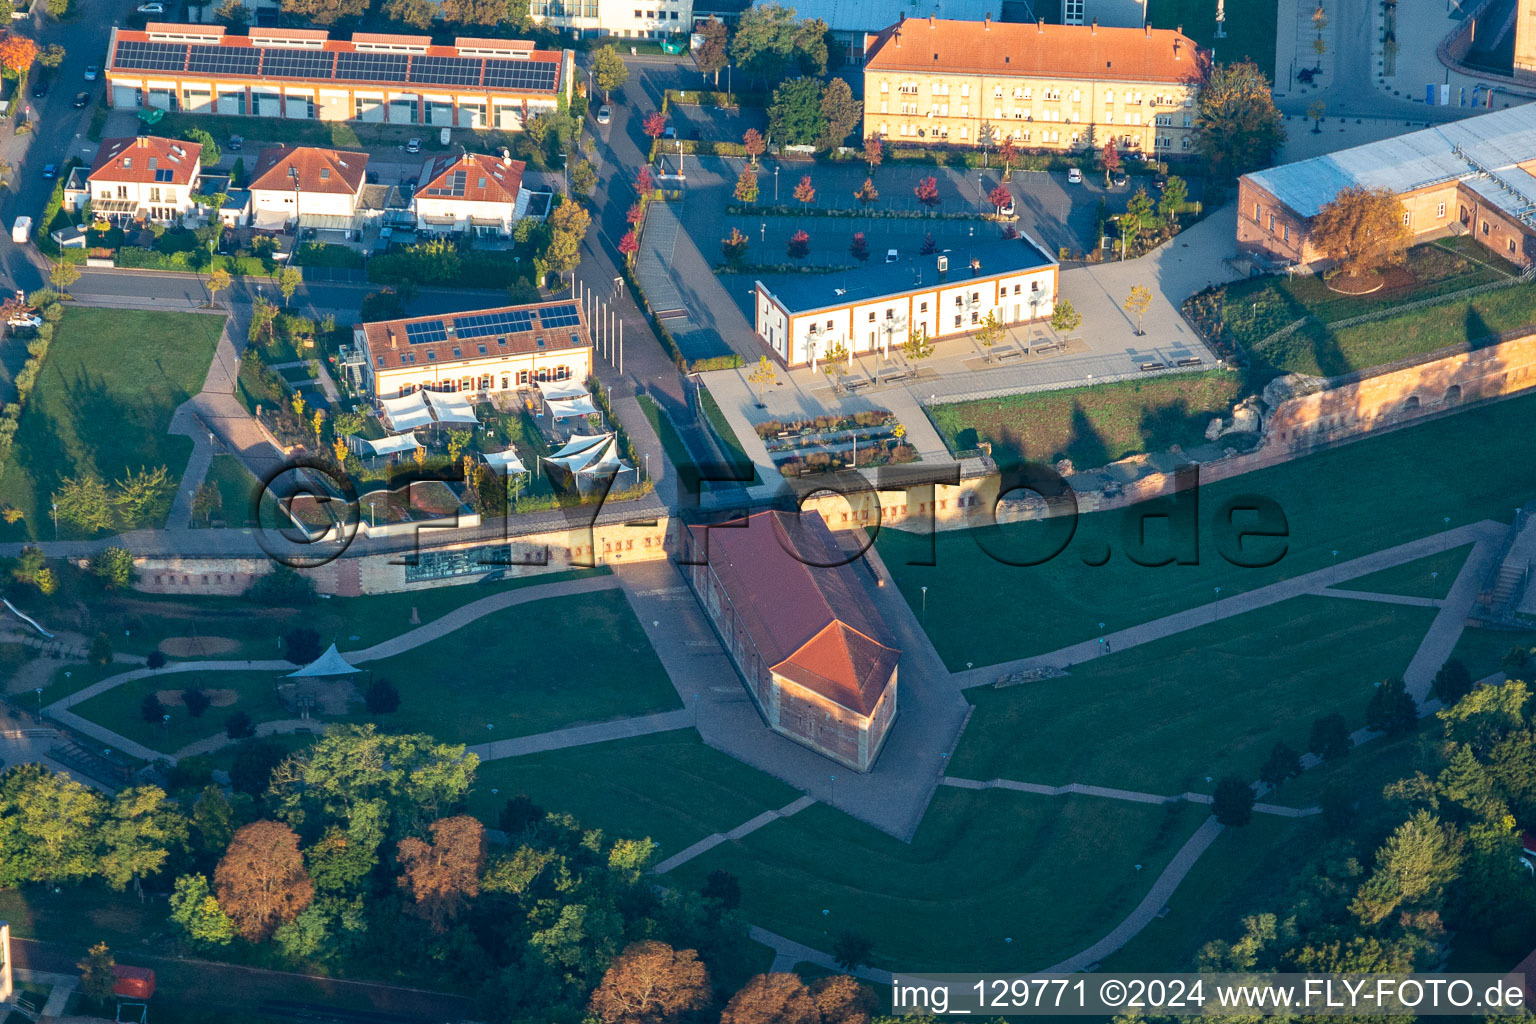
1154, 366
1193, 361
1013, 354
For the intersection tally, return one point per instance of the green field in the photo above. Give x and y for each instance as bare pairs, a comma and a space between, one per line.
1092, 426
236, 488
1483, 650
118, 708
1422, 577
669, 787
1053, 874
1165, 716
1352, 499
1250, 28
103, 403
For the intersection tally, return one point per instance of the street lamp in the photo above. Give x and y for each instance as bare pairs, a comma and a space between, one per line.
55, 520
925, 606
775, 184
762, 234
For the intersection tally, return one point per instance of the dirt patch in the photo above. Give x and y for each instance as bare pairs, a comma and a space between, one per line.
197, 646
219, 698
1365, 284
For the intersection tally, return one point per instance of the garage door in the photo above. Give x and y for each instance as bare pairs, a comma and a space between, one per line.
125, 96
370, 108
440, 114
160, 98
231, 103
509, 118
198, 102
402, 110
267, 104
299, 107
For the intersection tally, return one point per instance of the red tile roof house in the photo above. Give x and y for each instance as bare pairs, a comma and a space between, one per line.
307, 186
140, 178
476, 193
806, 639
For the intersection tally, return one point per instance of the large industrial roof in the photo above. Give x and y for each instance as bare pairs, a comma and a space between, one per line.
874, 15
1486, 152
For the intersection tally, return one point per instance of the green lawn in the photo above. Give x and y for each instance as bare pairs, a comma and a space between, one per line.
671, 441
1051, 873
103, 403
1164, 716
669, 787
1250, 27
1091, 426
1352, 499
236, 488
727, 436
1482, 650
1422, 577
118, 708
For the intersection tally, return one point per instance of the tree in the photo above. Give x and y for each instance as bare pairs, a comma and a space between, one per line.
1138, 210
195, 910
381, 697
772, 999
917, 346
239, 726
655, 124
209, 154
859, 247
63, 274
1329, 738
17, 53
929, 246
711, 55
1413, 867
233, 14
722, 887
644, 183
989, 333
416, 14
1109, 159
213, 820
324, 12
302, 645
1237, 127
1000, 197
842, 1000
799, 245
608, 70
218, 280
1232, 803
734, 249
1175, 194
101, 649
874, 153
867, 192
83, 502
1137, 303
1065, 318
1316, 111
805, 192
141, 828
927, 192
145, 496
156, 659
629, 245
261, 881
851, 950
1391, 709
794, 115
1283, 763
583, 178
763, 44
114, 565
651, 983
97, 975
264, 318
752, 142
151, 709
762, 375
196, 700
518, 815
288, 281
840, 114
1361, 229
1452, 682
50, 827
444, 875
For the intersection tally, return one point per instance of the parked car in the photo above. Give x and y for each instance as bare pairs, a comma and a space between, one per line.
670, 133
25, 320
1159, 182
1075, 176
604, 115
891, 256
92, 72
413, 146
1121, 179
150, 8
50, 171
40, 85
235, 143
1007, 209
82, 98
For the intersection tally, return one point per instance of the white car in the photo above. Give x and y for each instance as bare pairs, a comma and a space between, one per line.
413, 146
150, 8
891, 256
25, 320
604, 115
1075, 176
1007, 209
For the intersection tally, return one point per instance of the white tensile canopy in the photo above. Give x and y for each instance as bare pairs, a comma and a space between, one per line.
393, 444
564, 409
408, 411
452, 407
580, 450
331, 663
505, 462
554, 390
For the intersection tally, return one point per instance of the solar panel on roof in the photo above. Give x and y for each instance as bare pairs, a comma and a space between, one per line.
446, 70
426, 332
223, 60
559, 316
150, 56
284, 63
520, 74
481, 325
165, 174
371, 67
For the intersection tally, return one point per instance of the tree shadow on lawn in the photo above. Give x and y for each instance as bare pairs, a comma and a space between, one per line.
1084, 445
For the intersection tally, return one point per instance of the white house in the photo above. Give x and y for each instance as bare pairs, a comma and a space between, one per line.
471, 192
592, 19
307, 187
141, 178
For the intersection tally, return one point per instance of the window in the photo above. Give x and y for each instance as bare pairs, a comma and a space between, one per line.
922, 307
1255, 211
1485, 227
958, 320
1271, 223
1406, 216
885, 86
1440, 211
1109, 96
1510, 244
965, 88
871, 316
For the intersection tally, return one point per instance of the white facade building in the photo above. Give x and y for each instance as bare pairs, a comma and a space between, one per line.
142, 178
471, 192
305, 186
621, 19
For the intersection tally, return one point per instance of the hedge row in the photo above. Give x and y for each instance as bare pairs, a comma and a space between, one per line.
736, 209
714, 98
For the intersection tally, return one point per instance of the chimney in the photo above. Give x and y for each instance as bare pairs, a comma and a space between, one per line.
986, 22
1148, 29
931, 20
901, 19
1093, 29
1041, 29
394, 342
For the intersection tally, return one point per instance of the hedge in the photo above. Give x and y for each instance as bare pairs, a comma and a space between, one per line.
714, 98
41, 231
319, 254
136, 258
736, 209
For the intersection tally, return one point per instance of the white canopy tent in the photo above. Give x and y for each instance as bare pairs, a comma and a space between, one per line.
408, 411
331, 663
392, 445
555, 390
564, 409
452, 407
505, 462
579, 451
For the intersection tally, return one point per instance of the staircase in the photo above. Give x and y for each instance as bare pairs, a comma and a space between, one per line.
81, 759
1506, 591
1508, 584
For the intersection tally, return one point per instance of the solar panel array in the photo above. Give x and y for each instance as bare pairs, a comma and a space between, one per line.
454, 187
480, 325
426, 332
323, 65
559, 316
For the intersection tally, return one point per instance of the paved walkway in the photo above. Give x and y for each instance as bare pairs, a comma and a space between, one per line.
739, 832
585, 735
1081, 789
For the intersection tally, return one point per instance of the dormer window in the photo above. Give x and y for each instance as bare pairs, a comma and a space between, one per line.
325, 174
127, 162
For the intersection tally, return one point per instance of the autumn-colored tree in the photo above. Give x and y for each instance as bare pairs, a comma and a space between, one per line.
629, 244
655, 124
16, 55
1361, 229
1000, 197
1137, 303
763, 375
651, 983
799, 245
805, 191
867, 192
874, 152
753, 143
645, 183
859, 247
772, 999
217, 282
842, 1000
1109, 159
97, 975
1008, 153
734, 248
1237, 126
634, 215
261, 881
927, 192
711, 55
746, 186
444, 875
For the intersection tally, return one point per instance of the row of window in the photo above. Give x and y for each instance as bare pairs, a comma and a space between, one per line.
487, 382
1052, 93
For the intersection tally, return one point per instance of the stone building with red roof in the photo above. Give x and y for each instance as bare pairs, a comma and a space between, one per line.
801, 629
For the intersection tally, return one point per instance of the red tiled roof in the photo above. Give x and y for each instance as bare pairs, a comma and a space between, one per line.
1060, 51
145, 159
389, 340
485, 178
809, 616
319, 170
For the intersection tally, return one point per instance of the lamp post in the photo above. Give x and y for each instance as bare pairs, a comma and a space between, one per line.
775, 184
55, 520
925, 606
762, 234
